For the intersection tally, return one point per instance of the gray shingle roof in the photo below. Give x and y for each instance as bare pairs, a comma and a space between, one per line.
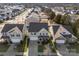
35, 27
67, 27
55, 28
8, 27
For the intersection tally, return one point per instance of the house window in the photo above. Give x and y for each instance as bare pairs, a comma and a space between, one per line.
46, 33
12, 35
34, 33
40, 33
18, 35
43, 33
4, 34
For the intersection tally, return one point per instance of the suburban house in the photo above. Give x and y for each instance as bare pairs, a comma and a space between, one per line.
44, 17
12, 33
73, 18
62, 34
37, 9
58, 10
38, 31
3, 14
33, 17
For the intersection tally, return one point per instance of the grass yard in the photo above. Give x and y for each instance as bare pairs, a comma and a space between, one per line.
41, 48
74, 47
4, 47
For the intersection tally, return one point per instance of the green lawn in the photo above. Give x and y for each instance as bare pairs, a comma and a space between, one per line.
1, 21
4, 47
74, 46
41, 48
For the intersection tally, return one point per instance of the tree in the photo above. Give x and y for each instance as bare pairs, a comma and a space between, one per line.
1, 21
76, 28
47, 10
51, 15
65, 19
58, 18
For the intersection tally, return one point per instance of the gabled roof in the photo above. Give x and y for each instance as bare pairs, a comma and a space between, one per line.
68, 28
35, 27
57, 26
8, 27
33, 16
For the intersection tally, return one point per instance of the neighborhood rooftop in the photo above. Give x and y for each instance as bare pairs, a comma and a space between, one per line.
35, 27
57, 26
8, 27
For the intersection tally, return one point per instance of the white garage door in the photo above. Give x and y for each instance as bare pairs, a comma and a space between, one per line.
60, 41
15, 40
33, 38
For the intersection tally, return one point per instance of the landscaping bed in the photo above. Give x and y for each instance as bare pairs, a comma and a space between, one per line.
41, 48
52, 46
23, 46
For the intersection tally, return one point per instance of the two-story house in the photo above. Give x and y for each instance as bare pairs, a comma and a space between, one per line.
33, 17
12, 33
38, 31
62, 34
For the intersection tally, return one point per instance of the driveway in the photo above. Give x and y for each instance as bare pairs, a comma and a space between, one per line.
33, 48
10, 51
62, 50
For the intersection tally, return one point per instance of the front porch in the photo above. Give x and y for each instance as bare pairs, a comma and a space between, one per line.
43, 39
